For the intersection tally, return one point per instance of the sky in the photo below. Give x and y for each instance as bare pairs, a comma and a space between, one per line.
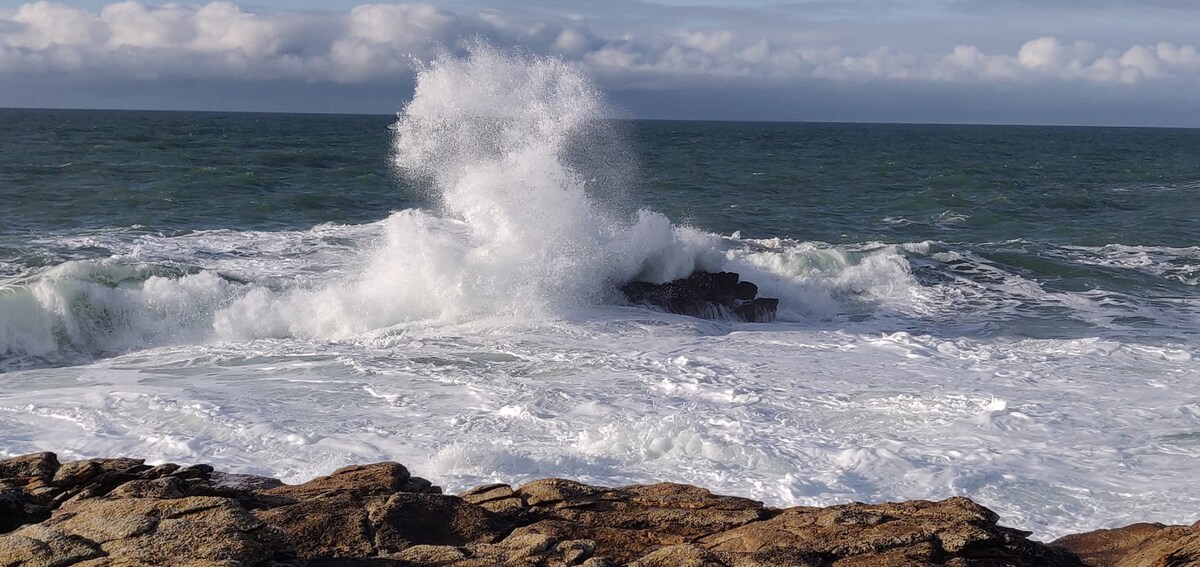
1088, 62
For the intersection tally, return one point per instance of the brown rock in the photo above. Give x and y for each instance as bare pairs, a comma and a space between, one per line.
1103, 548
496, 498
210, 531
408, 519
77, 473
1171, 547
523, 546
168, 487
162, 470
191, 472
367, 511
683, 555
911, 555
214, 532
599, 562
93, 478
686, 497
1137, 545
555, 492
576, 551
18, 507
335, 525
433, 555
29, 467
104, 512
246, 482
379, 479
527, 550
920, 531
625, 522
623, 545
39, 545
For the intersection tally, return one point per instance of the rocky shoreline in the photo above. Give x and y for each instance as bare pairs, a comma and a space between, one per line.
103, 512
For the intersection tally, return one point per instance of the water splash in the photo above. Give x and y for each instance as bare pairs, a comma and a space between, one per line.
508, 146
496, 136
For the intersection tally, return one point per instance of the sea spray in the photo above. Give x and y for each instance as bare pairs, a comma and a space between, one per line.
513, 151
495, 134
516, 233
521, 228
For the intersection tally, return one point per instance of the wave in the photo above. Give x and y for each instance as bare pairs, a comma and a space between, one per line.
1180, 264
529, 221
341, 283
348, 282
501, 142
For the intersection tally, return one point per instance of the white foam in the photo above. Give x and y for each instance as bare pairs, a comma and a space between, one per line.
517, 235
473, 343
1053, 434
1181, 264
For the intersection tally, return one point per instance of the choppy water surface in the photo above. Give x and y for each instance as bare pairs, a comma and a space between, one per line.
1006, 313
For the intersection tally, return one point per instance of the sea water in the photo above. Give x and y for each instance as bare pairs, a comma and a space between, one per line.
1006, 313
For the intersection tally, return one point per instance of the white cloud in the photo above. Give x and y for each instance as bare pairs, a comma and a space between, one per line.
377, 43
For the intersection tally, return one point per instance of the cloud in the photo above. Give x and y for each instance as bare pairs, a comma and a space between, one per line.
378, 43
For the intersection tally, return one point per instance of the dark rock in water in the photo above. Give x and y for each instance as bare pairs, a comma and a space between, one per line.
708, 295
745, 291
761, 309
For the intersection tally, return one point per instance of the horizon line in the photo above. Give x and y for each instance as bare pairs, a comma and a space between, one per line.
626, 119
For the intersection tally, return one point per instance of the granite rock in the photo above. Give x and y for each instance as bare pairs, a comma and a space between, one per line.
124, 512
1137, 545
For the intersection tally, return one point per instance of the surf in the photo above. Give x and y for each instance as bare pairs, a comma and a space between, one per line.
519, 226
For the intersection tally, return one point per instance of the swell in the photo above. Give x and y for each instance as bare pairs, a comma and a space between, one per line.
344, 282
528, 183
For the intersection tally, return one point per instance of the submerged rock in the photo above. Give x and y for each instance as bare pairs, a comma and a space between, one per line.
708, 295
123, 512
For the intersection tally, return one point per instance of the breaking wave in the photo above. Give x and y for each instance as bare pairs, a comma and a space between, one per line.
528, 220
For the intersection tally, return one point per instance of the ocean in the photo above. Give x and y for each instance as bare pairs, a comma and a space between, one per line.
1001, 312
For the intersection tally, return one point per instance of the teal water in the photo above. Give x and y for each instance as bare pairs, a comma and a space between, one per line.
1006, 313
905, 183
78, 170
1081, 210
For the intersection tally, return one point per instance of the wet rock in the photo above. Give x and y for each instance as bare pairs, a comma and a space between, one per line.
708, 295
745, 291
759, 310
